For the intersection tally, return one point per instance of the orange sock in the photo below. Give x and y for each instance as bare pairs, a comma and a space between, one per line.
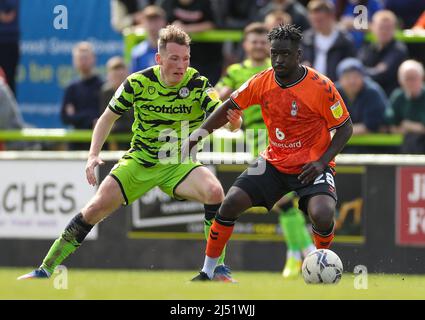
217, 239
323, 242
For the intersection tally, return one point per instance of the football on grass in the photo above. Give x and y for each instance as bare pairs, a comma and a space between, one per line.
322, 266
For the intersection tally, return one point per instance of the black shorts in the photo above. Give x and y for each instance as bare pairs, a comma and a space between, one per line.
267, 188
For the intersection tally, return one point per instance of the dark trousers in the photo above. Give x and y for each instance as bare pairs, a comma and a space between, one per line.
9, 58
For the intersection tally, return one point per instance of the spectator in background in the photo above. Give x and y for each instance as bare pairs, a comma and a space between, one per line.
407, 113
304, 2
420, 24
277, 17
408, 11
117, 72
235, 14
80, 106
417, 49
383, 58
10, 116
345, 14
9, 40
324, 46
256, 48
272, 20
197, 16
364, 98
296, 10
143, 55
126, 13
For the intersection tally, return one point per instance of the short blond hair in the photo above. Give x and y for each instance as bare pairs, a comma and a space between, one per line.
115, 63
172, 34
256, 28
384, 15
84, 46
153, 11
321, 5
410, 65
277, 17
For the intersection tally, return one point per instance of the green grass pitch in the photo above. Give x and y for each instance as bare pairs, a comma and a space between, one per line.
170, 285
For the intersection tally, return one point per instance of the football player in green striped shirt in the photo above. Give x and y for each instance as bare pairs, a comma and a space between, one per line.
291, 219
169, 100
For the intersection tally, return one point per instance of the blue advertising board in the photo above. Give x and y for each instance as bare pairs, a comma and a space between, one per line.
49, 30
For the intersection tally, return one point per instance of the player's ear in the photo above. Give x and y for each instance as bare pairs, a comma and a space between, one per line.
158, 58
299, 54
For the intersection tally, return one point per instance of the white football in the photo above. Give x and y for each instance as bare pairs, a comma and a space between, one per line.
322, 266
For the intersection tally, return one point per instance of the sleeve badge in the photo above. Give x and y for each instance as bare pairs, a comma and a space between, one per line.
337, 110
213, 94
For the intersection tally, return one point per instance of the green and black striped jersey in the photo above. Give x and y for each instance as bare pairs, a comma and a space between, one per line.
236, 75
163, 116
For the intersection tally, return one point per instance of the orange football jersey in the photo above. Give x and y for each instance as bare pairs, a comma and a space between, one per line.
299, 117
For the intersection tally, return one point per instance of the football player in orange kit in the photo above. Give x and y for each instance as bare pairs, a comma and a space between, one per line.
300, 108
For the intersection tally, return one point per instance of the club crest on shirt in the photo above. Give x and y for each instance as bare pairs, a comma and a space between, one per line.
337, 110
151, 90
294, 109
184, 92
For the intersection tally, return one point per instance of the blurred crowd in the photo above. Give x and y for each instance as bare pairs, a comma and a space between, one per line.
381, 81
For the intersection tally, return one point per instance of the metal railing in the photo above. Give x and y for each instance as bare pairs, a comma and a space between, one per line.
64, 135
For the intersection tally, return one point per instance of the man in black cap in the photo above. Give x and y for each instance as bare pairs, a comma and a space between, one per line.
365, 99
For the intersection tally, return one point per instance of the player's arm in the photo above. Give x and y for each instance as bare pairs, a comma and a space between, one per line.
313, 169
408, 126
245, 96
360, 128
234, 116
224, 92
100, 133
216, 120
227, 84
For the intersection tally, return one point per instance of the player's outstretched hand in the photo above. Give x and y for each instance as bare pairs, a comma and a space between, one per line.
311, 171
92, 163
234, 117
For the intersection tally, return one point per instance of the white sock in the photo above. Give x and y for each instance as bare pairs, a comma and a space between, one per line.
293, 254
209, 266
309, 250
